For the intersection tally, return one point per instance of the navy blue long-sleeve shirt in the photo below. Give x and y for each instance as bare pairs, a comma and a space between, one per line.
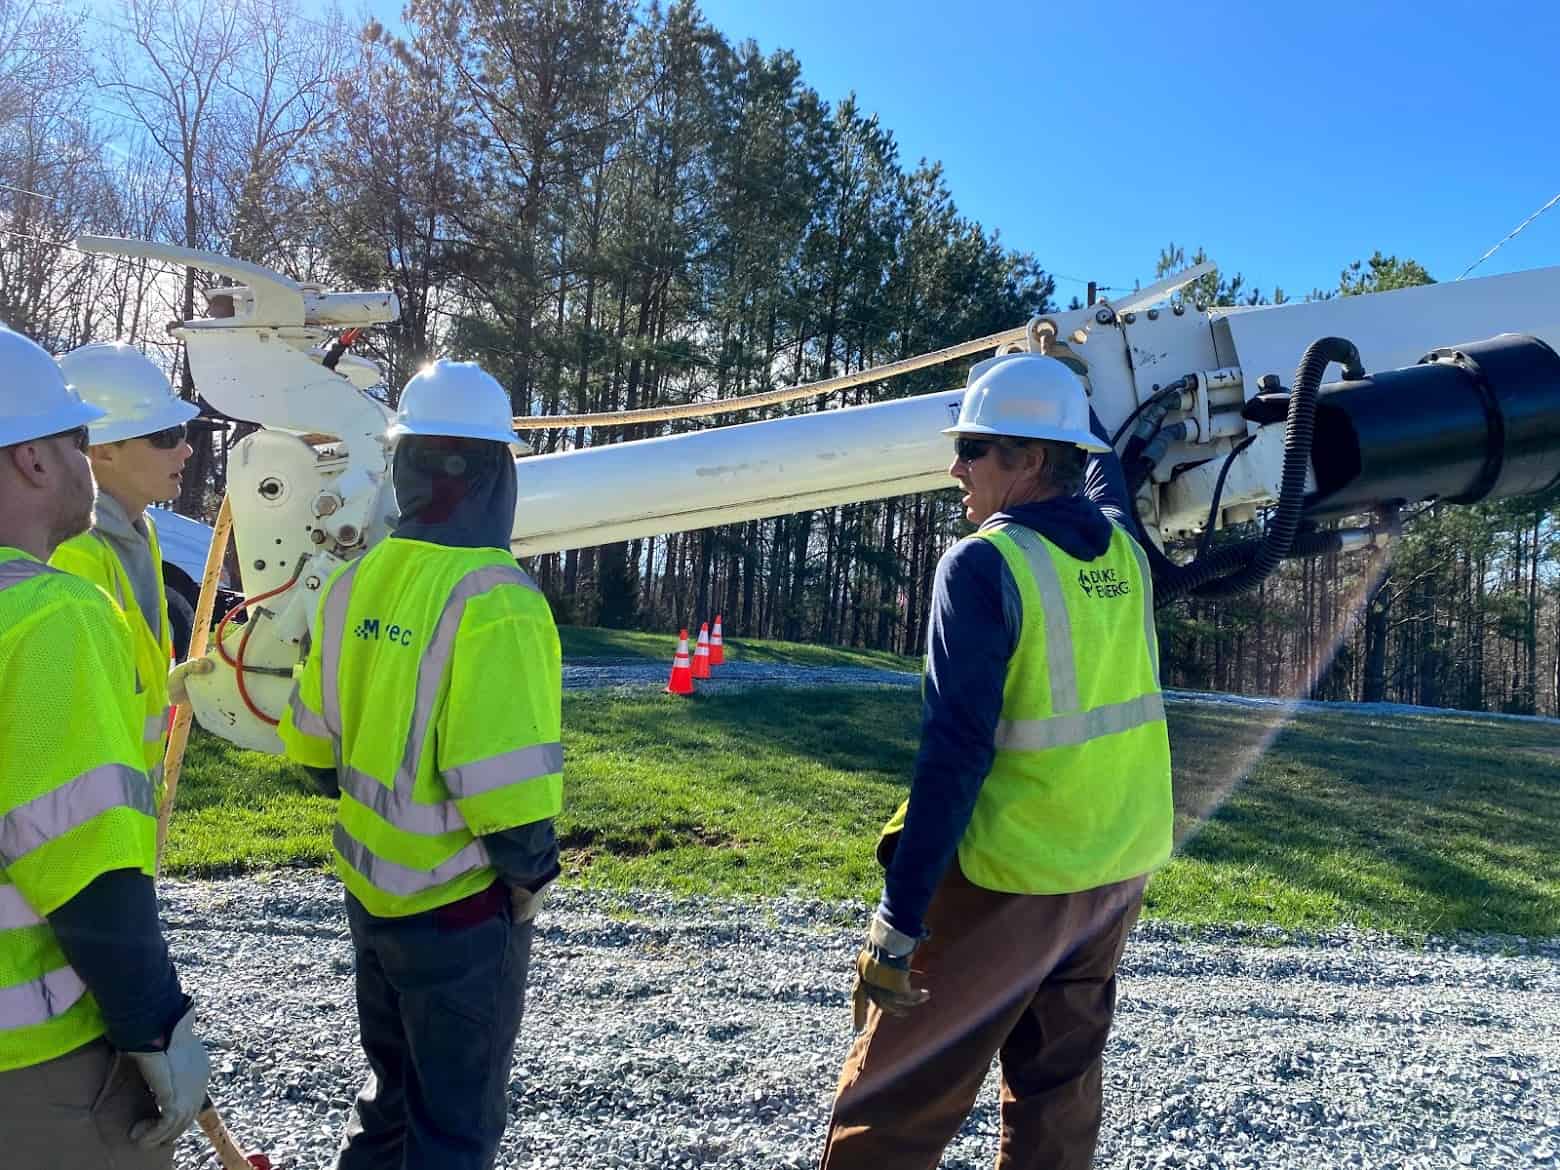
111, 936
976, 615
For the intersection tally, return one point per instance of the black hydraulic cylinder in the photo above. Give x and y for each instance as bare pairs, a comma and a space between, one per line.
1473, 422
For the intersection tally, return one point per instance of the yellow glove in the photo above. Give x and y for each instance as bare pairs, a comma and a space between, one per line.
178, 690
883, 974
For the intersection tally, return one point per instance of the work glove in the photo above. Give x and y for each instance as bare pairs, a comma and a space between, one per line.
524, 904
177, 1078
178, 689
883, 974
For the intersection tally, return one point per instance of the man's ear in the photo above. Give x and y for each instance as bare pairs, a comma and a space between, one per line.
1040, 464
29, 461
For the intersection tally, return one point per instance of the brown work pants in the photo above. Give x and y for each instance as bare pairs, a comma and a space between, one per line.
75, 1112
1027, 977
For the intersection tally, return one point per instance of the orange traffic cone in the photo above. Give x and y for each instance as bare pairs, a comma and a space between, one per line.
717, 649
681, 682
701, 653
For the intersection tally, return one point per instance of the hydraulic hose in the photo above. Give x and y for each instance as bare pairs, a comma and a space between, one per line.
1149, 455
1241, 557
1243, 566
1165, 394
1150, 414
1210, 575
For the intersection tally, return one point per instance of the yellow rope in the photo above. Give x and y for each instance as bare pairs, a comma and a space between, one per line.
772, 397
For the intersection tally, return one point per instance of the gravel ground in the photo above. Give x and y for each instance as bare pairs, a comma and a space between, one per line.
677, 1033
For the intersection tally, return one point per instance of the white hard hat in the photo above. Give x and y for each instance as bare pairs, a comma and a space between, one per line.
457, 399
1026, 396
35, 399
127, 385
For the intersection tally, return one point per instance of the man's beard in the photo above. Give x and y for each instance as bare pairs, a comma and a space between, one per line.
74, 522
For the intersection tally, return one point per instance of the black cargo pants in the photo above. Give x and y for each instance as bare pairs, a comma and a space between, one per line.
439, 996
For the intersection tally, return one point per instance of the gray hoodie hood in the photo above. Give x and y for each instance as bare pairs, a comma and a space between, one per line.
132, 545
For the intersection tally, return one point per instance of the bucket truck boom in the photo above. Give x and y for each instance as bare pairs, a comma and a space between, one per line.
1450, 391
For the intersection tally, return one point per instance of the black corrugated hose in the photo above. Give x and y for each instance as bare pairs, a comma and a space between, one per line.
1238, 567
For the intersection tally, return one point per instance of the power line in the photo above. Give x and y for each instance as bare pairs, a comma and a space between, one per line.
1510, 236
1098, 287
25, 191
41, 240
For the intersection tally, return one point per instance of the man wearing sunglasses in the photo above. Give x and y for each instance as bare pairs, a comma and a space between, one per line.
99, 1062
138, 452
1039, 802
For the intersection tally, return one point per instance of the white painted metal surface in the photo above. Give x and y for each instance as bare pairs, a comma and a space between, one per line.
1397, 328
724, 475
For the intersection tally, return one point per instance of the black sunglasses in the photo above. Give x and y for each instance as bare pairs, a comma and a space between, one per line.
168, 438
969, 450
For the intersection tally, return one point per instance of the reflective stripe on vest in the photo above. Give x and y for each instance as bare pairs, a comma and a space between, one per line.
306, 720
527, 763
15, 911
39, 1000
1079, 726
1058, 625
396, 803
395, 878
72, 805
156, 726
333, 631
15, 572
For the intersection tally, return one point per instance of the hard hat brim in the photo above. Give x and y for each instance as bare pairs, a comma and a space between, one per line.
457, 430
1085, 439
168, 414
25, 430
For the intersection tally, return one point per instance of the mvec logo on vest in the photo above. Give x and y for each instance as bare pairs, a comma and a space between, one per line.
368, 629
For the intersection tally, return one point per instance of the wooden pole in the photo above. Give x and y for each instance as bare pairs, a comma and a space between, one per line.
179, 735
229, 1154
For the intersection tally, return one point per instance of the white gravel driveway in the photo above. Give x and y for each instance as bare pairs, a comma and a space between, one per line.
666, 1032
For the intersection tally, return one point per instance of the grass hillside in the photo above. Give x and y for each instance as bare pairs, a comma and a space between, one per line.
1410, 824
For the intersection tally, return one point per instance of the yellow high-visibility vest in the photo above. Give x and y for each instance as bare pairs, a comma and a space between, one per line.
433, 686
90, 555
1078, 795
74, 800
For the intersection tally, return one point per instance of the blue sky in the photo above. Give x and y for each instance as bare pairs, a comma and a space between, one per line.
1286, 139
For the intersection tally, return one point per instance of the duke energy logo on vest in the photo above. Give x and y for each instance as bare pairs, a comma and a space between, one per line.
369, 630
1101, 583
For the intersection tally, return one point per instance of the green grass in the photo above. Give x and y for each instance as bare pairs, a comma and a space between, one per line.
582, 642
1408, 824
238, 810
1404, 824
